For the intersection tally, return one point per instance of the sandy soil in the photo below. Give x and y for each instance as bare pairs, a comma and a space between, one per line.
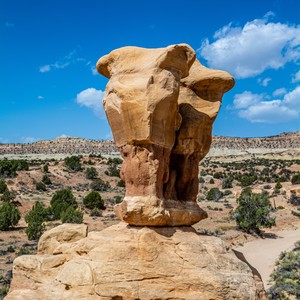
263, 253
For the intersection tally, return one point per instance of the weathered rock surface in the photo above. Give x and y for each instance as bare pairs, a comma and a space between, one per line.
65, 233
161, 104
200, 99
124, 262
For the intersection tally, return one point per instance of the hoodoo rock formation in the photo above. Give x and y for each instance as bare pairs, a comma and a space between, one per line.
161, 104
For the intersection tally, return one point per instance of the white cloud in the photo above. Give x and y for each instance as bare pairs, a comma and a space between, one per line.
45, 68
264, 82
28, 140
94, 70
279, 92
69, 59
296, 77
40, 97
92, 99
255, 108
249, 50
246, 99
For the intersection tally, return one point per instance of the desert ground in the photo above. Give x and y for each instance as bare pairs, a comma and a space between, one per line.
261, 250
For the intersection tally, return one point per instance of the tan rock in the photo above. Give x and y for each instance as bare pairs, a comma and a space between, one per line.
65, 233
141, 103
200, 99
143, 86
124, 262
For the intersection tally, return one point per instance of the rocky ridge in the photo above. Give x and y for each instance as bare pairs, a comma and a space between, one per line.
220, 145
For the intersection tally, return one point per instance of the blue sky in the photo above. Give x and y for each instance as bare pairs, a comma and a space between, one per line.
49, 48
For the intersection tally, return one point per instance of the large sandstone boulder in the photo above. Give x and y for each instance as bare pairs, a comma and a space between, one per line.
161, 104
131, 263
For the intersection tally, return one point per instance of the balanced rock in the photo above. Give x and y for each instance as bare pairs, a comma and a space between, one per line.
131, 263
161, 104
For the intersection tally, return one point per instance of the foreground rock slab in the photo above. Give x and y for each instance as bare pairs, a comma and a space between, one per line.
131, 263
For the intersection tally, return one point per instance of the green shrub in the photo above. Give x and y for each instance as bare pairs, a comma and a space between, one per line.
45, 168
115, 160
93, 200
212, 181
286, 276
118, 199
296, 179
91, 173
72, 215
40, 186
294, 199
9, 215
113, 169
121, 183
3, 186
9, 168
73, 163
35, 220
10, 249
60, 201
278, 185
99, 185
96, 212
227, 183
214, 194
8, 196
253, 212
227, 192
46, 179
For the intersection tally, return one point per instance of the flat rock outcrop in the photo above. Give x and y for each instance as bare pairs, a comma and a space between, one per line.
127, 262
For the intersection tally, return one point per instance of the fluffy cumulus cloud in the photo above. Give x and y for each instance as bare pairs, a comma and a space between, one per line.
264, 82
91, 98
257, 108
249, 50
296, 77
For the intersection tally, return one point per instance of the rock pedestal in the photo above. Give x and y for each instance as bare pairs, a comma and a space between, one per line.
133, 263
161, 104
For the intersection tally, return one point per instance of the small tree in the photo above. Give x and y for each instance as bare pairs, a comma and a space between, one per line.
214, 194
91, 173
46, 179
46, 168
35, 220
294, 199
71, 215
8, 196
60, 201
9, 215
73, 163
99, 185
253, 212
296, 179
93, 200
227, 183
40, 186
278, 185
3, 186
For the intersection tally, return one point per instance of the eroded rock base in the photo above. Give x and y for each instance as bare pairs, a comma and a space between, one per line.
152, 211
131, 263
